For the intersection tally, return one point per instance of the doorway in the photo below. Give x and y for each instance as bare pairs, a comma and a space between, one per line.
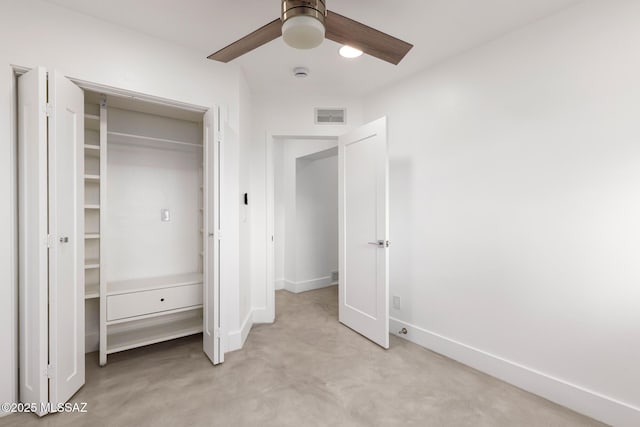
363, 223
305, 214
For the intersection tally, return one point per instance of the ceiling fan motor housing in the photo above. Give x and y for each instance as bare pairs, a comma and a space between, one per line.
312, 8
303, 23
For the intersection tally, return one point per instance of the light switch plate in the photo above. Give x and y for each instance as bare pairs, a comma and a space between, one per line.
396, 302
165, 215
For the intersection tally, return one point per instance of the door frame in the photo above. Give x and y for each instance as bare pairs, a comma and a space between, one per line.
267, 314
219, 113
15, 72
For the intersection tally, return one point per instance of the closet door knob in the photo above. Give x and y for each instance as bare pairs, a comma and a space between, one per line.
64, 240
162, 299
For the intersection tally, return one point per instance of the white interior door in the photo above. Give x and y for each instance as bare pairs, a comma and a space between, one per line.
33, 228
211, 341
364, 231
66, 228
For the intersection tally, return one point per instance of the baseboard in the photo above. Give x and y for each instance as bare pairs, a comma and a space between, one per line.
290, 286
236, 339
278, 284
262, 315
308, 285
579, 399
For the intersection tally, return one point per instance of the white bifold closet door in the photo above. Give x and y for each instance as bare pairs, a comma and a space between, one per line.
51, 156
51, 236
211, 340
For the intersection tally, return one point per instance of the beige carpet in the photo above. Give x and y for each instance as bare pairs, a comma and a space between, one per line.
304, 370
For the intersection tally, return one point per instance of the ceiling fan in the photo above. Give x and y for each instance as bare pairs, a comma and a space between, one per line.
304, 24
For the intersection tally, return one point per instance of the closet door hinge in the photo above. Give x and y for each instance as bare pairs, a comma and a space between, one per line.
219, 234
48, 109
50, 372
49, 240
217, 332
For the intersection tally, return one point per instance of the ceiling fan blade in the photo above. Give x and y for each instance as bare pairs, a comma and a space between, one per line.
346, 31
261, 36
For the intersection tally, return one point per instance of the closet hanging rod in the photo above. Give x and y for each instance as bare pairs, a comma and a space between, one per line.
130, 136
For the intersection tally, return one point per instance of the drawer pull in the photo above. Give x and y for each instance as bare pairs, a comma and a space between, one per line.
162, 299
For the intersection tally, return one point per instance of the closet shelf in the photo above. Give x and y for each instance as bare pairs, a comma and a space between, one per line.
91, 291
91, 264
129, 138
92, 178
91, 236
91, 150
92, 206
136, 285
131, 338
154, 315
92, 121
91, 154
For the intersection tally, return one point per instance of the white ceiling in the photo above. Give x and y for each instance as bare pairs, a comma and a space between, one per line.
438, 28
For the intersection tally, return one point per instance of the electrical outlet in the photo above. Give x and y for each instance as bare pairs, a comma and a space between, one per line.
396, 302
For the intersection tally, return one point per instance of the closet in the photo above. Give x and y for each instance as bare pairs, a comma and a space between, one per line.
119, 228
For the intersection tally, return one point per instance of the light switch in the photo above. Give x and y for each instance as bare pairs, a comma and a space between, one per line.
165, 215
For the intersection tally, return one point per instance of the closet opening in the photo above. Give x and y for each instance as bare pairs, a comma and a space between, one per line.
119, 227
144, 223
305, 212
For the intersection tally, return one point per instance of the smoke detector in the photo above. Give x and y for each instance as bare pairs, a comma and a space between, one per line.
301, 72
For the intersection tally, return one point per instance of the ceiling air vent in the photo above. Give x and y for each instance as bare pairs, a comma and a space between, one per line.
331, 116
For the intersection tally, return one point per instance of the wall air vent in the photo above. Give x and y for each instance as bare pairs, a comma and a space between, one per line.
331, 116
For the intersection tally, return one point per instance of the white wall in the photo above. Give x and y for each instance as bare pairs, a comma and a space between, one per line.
514, 173
36, 33
280, 196
316, 221
244, 258
140, 182
291, 228
8, 245
281, 114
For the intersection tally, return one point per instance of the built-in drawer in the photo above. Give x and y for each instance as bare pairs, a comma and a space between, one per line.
153, 301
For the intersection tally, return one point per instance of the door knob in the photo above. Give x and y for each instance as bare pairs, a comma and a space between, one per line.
64, 240
381, 243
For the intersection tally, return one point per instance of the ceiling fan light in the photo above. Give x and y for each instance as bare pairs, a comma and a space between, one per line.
303, 32
350, 52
